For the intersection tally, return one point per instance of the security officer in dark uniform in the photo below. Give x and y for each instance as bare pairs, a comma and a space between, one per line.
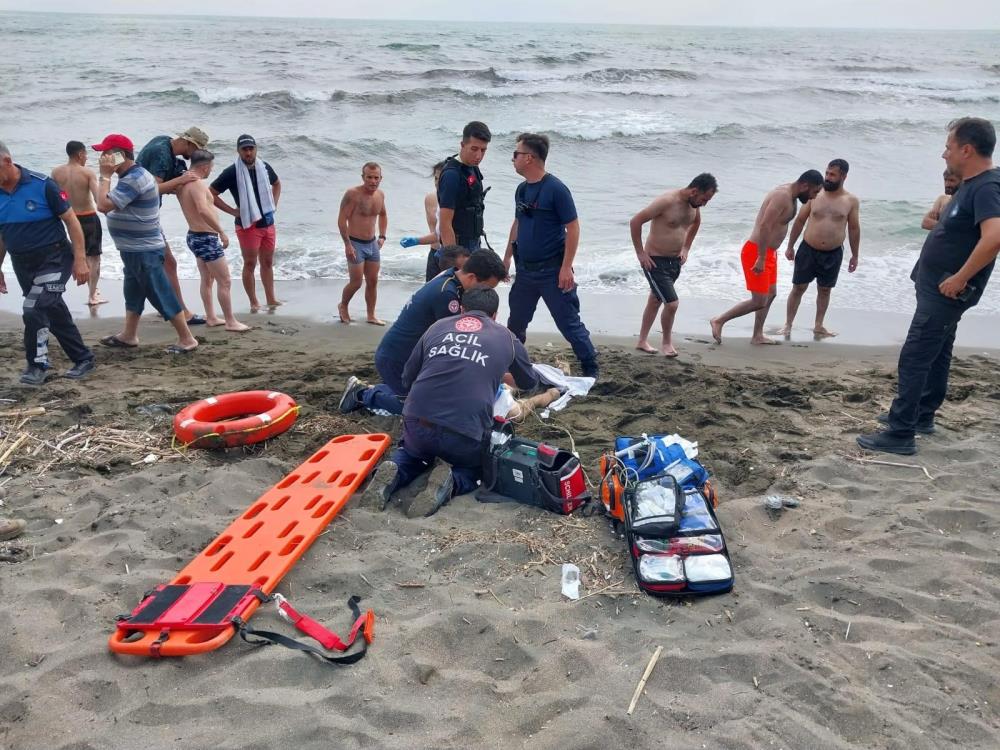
543, 242
33, 211
451, 381
954, 266
460, 192
438, 298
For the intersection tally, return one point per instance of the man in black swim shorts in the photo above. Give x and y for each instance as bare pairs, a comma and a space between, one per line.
831, 215
676, 218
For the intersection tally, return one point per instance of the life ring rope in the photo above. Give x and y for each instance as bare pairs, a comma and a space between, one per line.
233, 419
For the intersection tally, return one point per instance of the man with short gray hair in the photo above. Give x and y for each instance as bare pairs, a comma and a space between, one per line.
34, 218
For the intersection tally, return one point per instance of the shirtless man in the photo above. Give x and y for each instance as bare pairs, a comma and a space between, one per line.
951, 184
80, 184
676, 218
208, 242
760, 254
832, 214
360, 207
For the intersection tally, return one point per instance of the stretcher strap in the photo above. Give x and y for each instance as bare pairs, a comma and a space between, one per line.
314, 630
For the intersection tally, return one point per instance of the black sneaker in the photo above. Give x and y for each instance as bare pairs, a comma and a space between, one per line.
924, 428
80, 369
379, 490
350, 401
34, 375
591, 371
886, 443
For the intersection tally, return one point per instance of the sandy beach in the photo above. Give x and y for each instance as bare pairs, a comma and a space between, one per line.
865, 618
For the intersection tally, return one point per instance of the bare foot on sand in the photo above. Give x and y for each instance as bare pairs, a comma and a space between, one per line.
644, 346
667, 350
785, 331
214, 322
345, 317
254, 308
97, 299
275, 303
237, 327
376, 322
823, 333
763, 341
716, 330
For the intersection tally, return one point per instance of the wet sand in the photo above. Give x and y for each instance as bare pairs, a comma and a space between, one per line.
865, 618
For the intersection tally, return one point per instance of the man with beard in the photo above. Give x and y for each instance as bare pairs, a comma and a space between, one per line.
826, 219
760, 254
951, 183
256, 190
676, 218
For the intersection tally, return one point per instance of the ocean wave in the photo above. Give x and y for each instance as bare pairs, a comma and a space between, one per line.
630, 75
410, 47
995, 68
317, 43
876, 69
488, 75
572, 58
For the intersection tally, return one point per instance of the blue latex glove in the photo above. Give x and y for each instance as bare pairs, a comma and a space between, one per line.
409, 241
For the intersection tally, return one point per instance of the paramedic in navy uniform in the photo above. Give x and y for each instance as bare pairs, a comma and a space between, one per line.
543, 241
33, 211
950, 276
438, 298
451, 380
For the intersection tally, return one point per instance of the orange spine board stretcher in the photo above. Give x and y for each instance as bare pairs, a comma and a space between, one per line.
264, 543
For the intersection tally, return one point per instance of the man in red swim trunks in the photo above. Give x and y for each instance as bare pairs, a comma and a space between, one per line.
760, 256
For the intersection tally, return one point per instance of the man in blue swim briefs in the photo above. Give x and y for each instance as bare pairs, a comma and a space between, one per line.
360, 208
208, 242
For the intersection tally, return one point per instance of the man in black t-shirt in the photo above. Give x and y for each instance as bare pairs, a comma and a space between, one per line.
954, 266
255, 228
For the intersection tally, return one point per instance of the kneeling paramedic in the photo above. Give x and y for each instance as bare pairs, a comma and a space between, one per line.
438, 298
452, 379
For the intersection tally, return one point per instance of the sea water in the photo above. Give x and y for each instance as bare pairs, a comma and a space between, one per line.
631, 111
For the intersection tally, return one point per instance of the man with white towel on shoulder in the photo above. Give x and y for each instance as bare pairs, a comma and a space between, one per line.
254, 218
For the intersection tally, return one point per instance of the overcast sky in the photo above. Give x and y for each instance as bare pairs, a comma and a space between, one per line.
967, 14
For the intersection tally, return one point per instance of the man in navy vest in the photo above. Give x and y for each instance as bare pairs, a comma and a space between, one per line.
460, 192
33, 211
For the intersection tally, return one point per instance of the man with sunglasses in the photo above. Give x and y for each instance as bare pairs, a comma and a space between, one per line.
542, 243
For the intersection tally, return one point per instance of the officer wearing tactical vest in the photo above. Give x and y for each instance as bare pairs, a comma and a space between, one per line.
33, 211
451, 380
542, 243
460, 190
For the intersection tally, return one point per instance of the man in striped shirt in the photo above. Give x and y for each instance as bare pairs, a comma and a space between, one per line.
133, 211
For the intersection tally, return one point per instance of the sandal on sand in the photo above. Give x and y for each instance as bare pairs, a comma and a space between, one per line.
196, 320
178, 349
116, 343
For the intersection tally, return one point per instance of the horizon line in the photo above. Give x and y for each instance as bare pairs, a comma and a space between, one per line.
140, 13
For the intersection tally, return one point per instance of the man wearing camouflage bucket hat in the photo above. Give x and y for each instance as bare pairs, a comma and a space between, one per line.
163, 157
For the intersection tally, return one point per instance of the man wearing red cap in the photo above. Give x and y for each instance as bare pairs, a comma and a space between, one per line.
33, 212
133, 211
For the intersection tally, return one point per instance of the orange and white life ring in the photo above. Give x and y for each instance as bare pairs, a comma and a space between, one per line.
233, 419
